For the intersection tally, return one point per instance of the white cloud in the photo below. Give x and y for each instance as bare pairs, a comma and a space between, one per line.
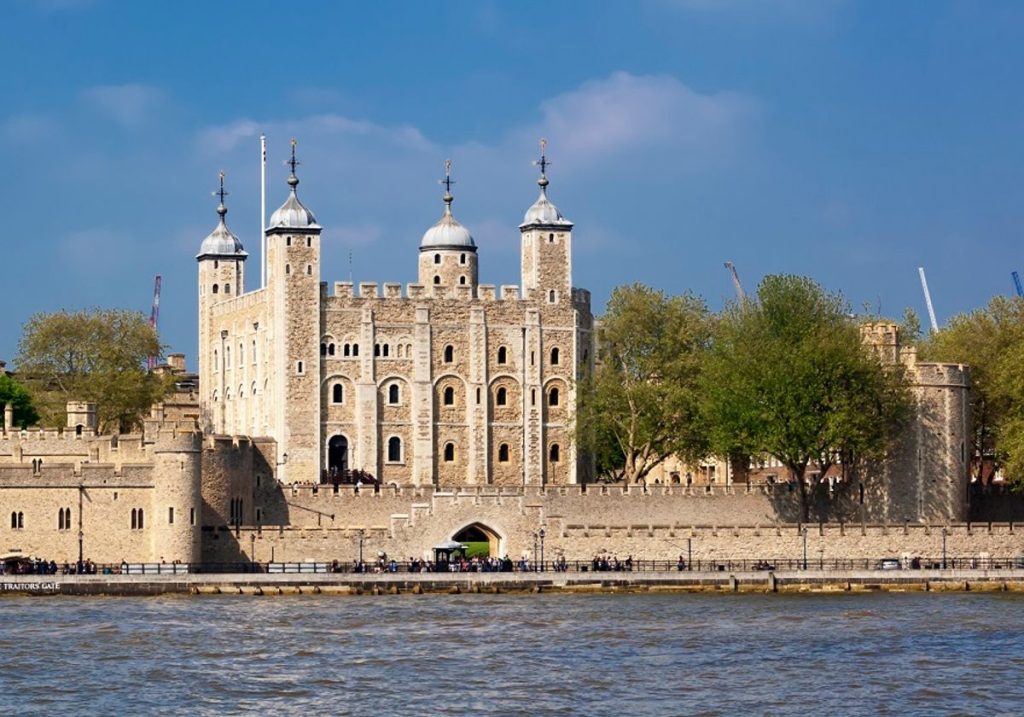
624, 112
129, 105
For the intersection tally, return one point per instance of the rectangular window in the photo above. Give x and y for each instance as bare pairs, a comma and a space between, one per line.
299, 368
170, 516
192, 516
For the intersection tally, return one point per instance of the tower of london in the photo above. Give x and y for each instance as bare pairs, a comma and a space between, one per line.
445, 381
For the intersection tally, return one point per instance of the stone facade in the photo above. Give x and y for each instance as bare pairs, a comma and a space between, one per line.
449, 382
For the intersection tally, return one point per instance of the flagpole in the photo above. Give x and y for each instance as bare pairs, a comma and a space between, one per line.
263, 210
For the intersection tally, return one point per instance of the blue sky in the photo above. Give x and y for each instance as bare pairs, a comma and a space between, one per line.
851, 142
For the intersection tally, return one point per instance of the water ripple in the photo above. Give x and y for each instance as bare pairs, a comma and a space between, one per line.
595, 655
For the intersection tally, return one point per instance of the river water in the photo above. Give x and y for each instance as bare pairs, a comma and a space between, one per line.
621, 654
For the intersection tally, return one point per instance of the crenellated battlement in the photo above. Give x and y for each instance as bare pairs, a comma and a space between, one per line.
226, 307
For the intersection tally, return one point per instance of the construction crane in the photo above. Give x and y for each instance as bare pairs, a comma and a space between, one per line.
154, 318
740, 294
1016, 283
928, 299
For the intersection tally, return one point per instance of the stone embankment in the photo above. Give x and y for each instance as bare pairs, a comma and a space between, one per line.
799, 581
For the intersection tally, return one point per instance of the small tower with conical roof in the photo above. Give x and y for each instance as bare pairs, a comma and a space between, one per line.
221, 260
293, 283
447, 250
546, 246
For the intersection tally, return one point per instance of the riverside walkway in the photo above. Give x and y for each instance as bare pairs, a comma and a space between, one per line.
786, 581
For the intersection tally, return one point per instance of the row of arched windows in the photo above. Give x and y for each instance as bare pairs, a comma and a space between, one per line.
138, 519
437, 258
554, 453
64, 519
462, 280
17, 520
502, 358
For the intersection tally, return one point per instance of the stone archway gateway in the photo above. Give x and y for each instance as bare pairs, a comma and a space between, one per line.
481, 540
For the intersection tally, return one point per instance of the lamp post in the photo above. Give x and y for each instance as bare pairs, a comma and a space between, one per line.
689, 554
944, 533
81, 528
360, 533
541, 533
805, 547
536, 539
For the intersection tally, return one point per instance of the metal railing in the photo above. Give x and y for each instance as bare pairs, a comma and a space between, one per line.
549, 566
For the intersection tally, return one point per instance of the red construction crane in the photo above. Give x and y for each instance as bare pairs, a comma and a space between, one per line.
154, 317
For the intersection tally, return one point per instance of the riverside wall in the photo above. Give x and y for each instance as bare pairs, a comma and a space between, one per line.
660, 523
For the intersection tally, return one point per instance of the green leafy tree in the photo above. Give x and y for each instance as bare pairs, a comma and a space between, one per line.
640, 405
14, 394
96, 355
789, 376
991, 341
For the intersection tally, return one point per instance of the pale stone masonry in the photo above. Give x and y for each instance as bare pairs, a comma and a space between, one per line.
449, 382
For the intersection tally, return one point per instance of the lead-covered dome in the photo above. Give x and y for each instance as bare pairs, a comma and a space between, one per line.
293, 214
543, 212
447, 233
221, 241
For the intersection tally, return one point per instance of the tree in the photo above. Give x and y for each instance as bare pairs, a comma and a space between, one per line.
789, 376
95, 355
14, 394
991, 341
640, 405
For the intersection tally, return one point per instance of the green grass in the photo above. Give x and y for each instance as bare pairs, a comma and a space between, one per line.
475, 549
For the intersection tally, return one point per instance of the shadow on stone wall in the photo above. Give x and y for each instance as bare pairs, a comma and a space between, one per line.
996, 504
839, 503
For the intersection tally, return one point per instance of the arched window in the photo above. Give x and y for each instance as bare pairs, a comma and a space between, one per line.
394, 449
449, 452
227, 357
216, 359
437, 279
551, 238
323, 349
287, 268
345, 350
449, 396
135, 520
462, 280
502, 355
385, 350
551, 296
254, 350
288, 241
376, 349
503, 453
437, 258
462, 258
553, 397
227, 288
355, 349
502, 397
554, 356
215, 288
309, 269
60, 519
330, 349
14, 519
554, 453
393, 394
216, 264
142, 523
337, 393
449, 354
